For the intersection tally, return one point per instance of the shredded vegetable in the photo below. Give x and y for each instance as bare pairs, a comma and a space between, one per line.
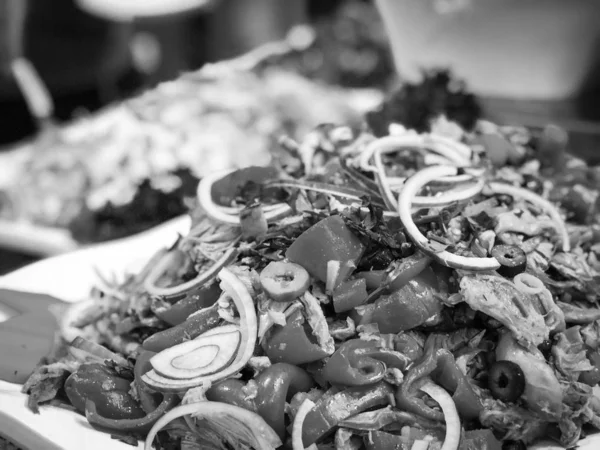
345, 296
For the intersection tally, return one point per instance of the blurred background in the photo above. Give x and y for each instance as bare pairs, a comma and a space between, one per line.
91, 53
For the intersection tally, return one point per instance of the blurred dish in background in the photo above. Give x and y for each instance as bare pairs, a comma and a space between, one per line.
350, 48
151, 150
519, 53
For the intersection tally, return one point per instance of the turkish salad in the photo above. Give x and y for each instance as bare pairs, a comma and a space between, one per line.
425, 291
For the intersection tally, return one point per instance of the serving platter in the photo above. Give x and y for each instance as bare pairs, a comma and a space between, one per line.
70, 277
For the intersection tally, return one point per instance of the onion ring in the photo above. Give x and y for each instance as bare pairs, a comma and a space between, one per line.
196, 282
528, 284
452, 438
223, 214
413, 185
455, 152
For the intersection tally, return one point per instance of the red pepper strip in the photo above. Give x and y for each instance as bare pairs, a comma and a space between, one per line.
407, 308
440, 365
351, 365
105, 387
349, 295
328, 240
193, 327
277, 385
330, 411
148, 400
192, 302
231, 392
141, 425
405, 396
292, 344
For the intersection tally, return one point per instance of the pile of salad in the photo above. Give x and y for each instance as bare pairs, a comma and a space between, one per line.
422, 291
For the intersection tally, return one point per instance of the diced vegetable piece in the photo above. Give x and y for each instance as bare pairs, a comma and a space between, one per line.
408, 269
294, 343
407, 308
328, 240
498, 149
193, 327
350, 294
194, 301
284, 281
373, 278
232, 392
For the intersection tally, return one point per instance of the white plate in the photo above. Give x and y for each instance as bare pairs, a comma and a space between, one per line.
70, 277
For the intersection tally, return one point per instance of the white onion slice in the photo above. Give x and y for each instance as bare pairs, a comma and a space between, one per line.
413, 185
224, 214
455, 152
452, 438
528, 284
